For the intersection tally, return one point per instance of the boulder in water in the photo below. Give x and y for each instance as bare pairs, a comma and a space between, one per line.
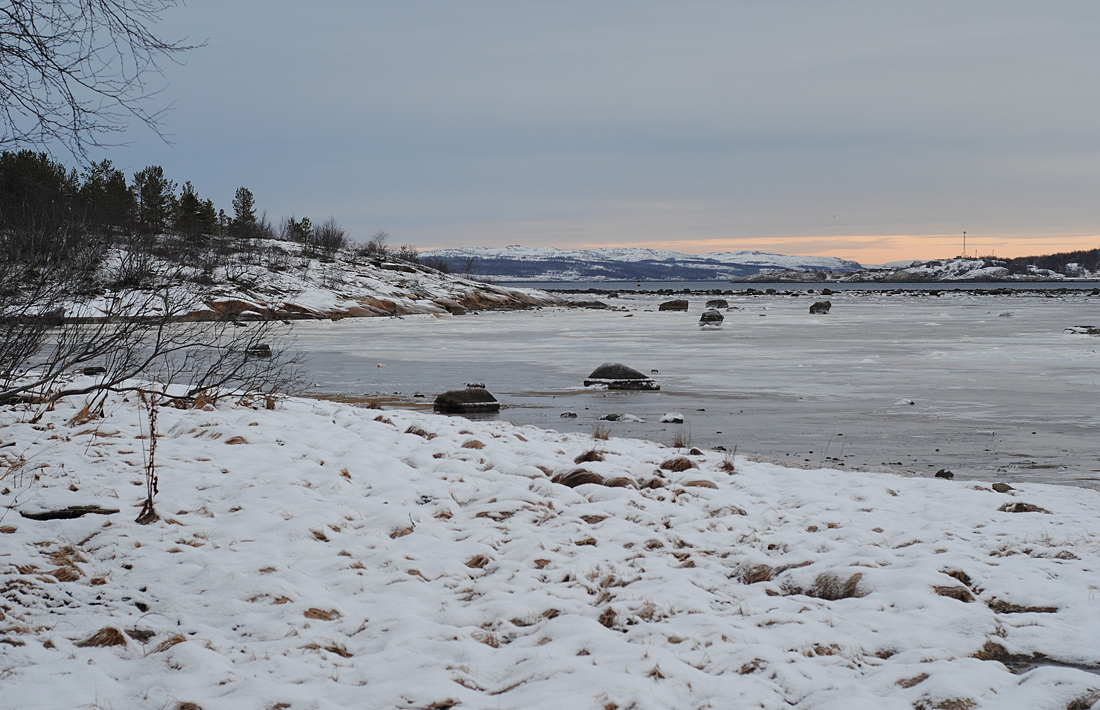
680, 304
616, 376
718, 303
820, 307
472, 400
711, 317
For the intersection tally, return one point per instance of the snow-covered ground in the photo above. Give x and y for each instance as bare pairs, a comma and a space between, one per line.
323, 556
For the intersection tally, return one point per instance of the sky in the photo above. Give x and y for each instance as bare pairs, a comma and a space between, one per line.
875, 131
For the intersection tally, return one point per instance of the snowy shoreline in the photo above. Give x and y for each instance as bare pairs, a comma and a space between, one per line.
324, 556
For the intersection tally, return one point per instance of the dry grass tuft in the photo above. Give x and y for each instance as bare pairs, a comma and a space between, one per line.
578, 477
992, 651
8, 529
420, 432
1085, 702
601, 432
757, 573
608, 618
948, 704
321, 614
169, 643
65, 574
915, 680
187, 706
954, 592
700, 483
236, 440
960, 576
999, 606
401, 532
478, 562
107, 636
830, 587
590, 455
473, 444
678, 464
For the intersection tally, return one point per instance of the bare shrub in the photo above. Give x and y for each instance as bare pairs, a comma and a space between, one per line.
682, 438
728, 462
601, 432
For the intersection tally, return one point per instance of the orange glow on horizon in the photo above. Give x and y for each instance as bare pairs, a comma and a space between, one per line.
879, 249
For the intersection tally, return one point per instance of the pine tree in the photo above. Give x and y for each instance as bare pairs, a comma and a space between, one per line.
155, 197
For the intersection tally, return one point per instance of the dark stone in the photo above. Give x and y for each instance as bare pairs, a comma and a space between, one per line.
826, 292
680, 304
711, 317
944, 473
616, 376
1002, 487
597, 305
610, 417
472, 400
94, 370
820, 307
568, 415
263, 350
718, 303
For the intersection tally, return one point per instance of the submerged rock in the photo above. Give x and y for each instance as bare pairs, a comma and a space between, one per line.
616, 376
472, 400
820, 307
672, 418
711, 317
680, 304
1082, 330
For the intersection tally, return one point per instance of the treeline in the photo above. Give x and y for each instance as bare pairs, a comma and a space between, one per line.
52, 213
47, 209
1062, 263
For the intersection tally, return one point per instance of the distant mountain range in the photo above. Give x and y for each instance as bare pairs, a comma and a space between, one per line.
624, 264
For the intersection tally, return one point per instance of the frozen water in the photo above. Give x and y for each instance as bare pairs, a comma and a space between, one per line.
992, 398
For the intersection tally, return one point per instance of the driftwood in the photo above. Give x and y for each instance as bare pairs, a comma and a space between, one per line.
73, 511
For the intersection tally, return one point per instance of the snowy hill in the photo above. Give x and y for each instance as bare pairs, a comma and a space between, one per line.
277, 279
625, 263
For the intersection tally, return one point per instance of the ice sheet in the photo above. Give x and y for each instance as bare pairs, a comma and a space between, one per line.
999, 392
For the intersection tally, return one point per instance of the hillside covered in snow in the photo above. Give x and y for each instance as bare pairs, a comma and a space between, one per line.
624, 264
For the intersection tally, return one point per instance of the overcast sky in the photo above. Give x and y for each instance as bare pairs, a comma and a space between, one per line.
869, 130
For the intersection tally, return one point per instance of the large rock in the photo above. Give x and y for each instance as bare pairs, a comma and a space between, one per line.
711, 317
616, 376
718, 303
680, 304
820, 307
472, 400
